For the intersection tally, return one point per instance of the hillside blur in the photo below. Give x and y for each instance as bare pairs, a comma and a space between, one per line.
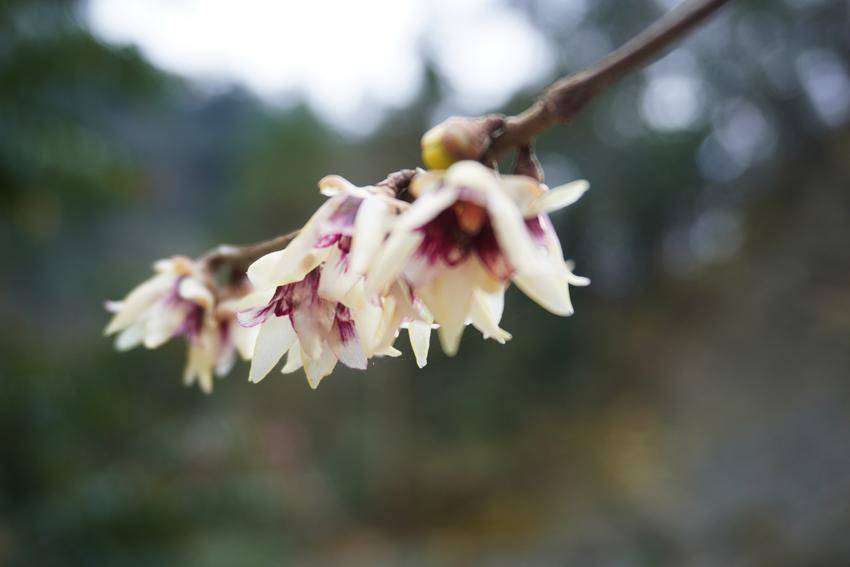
694, 411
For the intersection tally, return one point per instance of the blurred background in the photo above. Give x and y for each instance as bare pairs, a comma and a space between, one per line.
695, 410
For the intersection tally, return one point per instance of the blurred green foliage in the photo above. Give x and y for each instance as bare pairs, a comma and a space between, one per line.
694, 411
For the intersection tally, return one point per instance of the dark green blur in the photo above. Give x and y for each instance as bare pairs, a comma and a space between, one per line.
694, 411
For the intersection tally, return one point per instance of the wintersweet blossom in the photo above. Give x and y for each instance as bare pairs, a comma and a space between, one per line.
295, 318
311, 299
175, 302
344, 234
469, 232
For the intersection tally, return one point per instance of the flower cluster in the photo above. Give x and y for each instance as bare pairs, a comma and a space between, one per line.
364, 267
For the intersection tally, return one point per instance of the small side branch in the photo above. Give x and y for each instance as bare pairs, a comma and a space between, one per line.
240, 257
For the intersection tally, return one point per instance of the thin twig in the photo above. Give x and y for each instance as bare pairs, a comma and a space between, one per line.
566, 97
240, 257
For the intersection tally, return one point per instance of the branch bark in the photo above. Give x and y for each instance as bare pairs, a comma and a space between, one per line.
240, 257
566, 97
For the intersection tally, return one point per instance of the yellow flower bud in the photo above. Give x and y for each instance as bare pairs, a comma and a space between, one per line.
435, 154
457, 139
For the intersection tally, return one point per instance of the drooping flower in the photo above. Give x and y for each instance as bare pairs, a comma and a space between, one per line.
470, 232
321, 272
295, 318
176, 301
344, 234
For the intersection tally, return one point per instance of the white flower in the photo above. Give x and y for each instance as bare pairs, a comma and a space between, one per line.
215, 349
470, 232
345, 233
295, 318
312, 300
175, 301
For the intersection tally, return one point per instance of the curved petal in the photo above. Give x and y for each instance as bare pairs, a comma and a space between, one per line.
449, 297
426, 208
312, 323
317, 368
288, 265
392, 259
298, 258
130, 337
258, 298
139, 300
370, 229
337, 277
549, 291
346, 347
293, 359
512, 234
522, 190
367, 315
244, 338
163, 325
485, 314
199, 367
476, 180
275, 337
419, 333
558, 198
194, 290
332, 185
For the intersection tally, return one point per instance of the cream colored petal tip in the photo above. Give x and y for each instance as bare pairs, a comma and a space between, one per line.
559, 197
332, 185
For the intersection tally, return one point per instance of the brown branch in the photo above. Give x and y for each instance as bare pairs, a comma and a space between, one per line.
240, 257
566, 97
561, 101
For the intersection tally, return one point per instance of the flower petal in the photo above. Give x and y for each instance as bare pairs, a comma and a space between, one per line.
194, 290
162, 325
199, 367
346, 347
130, 337
298, 258
512, 234
370, 228
318, 368
419, 333
332, 185
259, 298
549, 291
244, 338
140, 299
367, 314
293, 359
558, 198
391, 260
337, 277
312, 323
275, 337
449, 297
485, 314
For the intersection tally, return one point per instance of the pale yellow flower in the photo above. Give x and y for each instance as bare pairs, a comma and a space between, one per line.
469, 233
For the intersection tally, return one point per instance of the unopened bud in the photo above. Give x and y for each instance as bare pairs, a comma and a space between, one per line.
457, 139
